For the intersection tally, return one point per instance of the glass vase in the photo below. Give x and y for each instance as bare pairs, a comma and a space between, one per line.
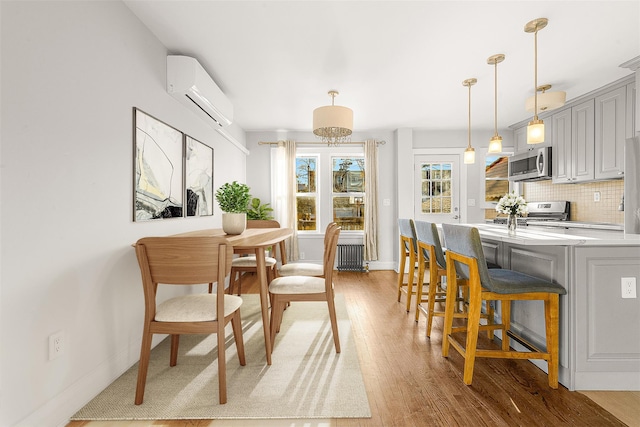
512, 224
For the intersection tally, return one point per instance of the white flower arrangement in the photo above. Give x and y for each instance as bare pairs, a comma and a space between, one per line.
511, 204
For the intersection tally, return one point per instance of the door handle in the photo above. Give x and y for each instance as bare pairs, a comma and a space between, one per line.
456, 217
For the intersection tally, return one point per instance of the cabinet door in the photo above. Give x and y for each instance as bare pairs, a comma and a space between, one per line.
631, 111
561, 152
521, 140
583, 141
610, 133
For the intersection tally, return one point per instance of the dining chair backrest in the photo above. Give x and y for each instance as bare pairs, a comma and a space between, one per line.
330, 249
183, 260
408, 231
427, 232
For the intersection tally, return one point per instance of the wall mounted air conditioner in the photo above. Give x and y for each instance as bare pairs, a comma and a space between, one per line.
190, 84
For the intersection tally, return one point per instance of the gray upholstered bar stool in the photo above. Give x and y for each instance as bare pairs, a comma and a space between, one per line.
431, 257
408, 250
465, 259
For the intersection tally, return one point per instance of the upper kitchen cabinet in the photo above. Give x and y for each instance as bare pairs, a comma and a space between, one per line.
573, 141
611, 132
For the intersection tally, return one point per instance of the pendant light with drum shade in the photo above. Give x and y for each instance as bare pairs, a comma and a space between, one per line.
495, 143
333, 124
469, 153
535, 129
547, 101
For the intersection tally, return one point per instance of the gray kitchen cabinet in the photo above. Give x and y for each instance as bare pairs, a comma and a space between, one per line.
574, 143
492, 251
607, 352
520, 136
610, 133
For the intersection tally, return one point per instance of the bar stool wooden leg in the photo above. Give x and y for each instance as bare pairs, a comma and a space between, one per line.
506, 323
403, 260
551, 315
473, 324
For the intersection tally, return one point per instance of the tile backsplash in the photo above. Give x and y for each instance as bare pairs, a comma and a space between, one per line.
581, 196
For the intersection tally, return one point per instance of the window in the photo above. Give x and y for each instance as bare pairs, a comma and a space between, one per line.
348, 174
330, 187
496, 175
436, 188
306, 196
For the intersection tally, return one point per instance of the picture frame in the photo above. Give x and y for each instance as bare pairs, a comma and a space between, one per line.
158, 169
198, 178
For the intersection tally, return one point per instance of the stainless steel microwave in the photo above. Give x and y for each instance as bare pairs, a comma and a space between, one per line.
534, 165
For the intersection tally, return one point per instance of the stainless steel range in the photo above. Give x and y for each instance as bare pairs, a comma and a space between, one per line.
540, 212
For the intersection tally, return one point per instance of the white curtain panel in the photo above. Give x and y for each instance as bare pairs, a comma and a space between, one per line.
283, 191
371, 201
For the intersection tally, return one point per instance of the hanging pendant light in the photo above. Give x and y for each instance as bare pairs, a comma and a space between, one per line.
469, 153
535, 129
333, 124
495, 143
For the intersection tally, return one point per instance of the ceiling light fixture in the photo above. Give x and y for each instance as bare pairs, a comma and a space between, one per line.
495, 143
469, 153
535, 129
332, 123
547, 101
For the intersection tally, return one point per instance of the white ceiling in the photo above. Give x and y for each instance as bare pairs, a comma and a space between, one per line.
395, 63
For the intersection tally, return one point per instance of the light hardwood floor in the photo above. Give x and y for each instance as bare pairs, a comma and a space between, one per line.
409, 383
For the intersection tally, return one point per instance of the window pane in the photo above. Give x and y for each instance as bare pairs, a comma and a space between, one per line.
496, 177
306, 174
348, 212
436, 188
348, 174
306, 213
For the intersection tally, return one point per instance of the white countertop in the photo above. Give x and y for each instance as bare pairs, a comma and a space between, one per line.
541, 236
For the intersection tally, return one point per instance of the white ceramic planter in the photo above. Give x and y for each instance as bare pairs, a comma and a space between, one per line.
234, 223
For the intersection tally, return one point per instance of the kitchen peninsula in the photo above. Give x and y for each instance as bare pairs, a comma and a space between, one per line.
599, 329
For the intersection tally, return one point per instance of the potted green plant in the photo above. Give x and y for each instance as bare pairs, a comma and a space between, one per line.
233, 198
258, 210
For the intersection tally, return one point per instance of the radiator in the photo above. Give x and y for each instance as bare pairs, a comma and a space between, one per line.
350, 258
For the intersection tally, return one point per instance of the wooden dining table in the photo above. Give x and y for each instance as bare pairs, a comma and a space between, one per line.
255, 240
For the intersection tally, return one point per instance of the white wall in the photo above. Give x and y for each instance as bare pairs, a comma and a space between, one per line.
71, 73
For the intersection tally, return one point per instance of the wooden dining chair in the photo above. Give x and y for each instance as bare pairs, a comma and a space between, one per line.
408, 251
286, 289
465, 258
307, 268
246, 262
187, 261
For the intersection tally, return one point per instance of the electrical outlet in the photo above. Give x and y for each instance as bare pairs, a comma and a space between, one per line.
301, 255
628, 287
596, 196
56, 345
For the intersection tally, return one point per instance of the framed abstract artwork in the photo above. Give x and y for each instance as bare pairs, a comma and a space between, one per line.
158, 169
198, 177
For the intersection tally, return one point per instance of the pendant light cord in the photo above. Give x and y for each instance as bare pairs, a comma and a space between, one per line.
495, 103
535, 74
469, 131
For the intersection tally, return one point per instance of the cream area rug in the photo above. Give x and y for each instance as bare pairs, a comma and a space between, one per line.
307, 378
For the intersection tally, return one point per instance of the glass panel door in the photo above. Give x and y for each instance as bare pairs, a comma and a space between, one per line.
437, 188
